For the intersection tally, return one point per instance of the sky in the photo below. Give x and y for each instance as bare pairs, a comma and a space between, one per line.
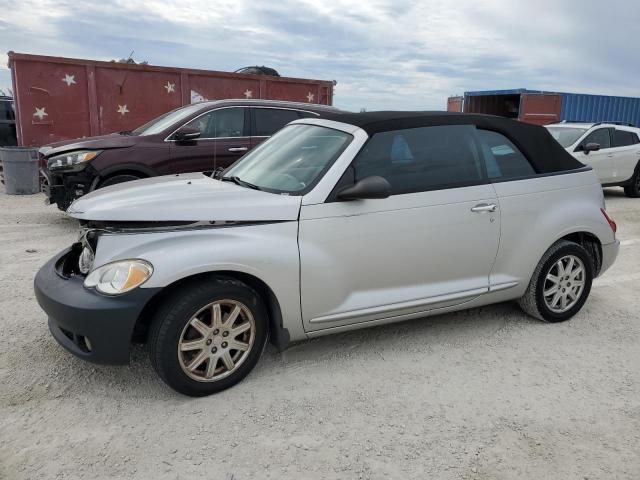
383, 54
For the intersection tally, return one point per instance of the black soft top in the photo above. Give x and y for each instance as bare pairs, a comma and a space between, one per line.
543, 151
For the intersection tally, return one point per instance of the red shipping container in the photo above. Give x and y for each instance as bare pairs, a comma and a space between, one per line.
61, 98
454, 104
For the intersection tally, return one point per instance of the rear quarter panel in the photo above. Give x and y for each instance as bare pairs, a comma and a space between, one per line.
536, 212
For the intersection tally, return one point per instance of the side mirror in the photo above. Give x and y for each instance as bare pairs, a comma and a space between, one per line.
184, 134
369, 187
591, 147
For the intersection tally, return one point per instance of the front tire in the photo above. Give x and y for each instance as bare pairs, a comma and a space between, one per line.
560, 284
633, 190
118, 179
208, 336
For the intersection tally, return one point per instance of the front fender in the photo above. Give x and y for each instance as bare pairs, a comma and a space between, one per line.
267, 251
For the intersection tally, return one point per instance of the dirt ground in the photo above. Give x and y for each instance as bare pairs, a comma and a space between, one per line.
481, 394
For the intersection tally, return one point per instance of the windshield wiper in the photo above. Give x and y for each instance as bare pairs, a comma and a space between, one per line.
239, 181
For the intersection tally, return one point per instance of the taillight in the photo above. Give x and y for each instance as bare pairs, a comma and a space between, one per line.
612, 224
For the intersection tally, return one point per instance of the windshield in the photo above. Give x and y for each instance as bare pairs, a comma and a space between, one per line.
566, 136
161, 123
291, 161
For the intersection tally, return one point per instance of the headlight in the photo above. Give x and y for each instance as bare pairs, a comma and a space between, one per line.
72, 161
119, 277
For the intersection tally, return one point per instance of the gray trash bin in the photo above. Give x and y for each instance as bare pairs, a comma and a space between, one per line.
20, 170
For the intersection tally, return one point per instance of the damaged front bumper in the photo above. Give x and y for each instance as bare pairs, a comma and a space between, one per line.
63, 188
94, 327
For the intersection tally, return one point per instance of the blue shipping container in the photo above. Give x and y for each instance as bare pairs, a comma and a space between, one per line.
542, 107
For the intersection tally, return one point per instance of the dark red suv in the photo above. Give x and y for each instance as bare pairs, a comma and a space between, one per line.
201, 137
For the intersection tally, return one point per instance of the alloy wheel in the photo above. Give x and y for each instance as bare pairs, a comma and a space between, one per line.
216, 340
564, 284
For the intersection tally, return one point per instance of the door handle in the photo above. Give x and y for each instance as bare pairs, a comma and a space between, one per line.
485, 207
238, 149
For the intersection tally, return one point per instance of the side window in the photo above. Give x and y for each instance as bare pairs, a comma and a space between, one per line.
269, 120
6, 110
225, 122
600, 136
422, 159
623, 138
501, 157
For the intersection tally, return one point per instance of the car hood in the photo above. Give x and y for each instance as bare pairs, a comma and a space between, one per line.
184, 197
114, 140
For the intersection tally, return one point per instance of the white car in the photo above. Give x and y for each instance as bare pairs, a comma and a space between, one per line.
332, 224
612, 149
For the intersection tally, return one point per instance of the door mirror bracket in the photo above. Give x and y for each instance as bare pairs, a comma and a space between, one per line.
368, 188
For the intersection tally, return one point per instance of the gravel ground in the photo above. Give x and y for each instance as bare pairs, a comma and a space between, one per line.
481, 394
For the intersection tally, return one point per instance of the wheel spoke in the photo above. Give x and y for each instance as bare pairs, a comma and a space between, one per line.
560, 266
563, 301
572, 294
186, 346
196, 362
553, 278
569, 267
232, 316
556, 298
199, 326
238, 345
211, 366
551, 291
240, 329
227, 360
216, 315
577, 272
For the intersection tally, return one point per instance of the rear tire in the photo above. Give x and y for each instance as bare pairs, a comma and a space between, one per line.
193, 335
118, 179
560, 284
633, 190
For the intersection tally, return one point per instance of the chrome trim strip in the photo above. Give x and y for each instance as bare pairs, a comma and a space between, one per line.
201, 225
423, 302
503, 286
238, 106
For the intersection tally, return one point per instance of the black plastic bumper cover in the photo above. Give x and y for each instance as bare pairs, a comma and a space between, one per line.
78, 313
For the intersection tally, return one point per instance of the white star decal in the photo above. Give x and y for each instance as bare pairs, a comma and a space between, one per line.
310, 97
40, 113
69, 79
171, 87
122, 109
248, 93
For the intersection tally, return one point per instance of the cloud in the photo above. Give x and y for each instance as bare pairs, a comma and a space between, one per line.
384, 54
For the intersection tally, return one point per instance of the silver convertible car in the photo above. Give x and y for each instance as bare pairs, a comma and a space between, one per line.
333, 224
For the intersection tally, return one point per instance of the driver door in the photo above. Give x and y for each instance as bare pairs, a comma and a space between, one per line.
426, 246
223, 139
602, 161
